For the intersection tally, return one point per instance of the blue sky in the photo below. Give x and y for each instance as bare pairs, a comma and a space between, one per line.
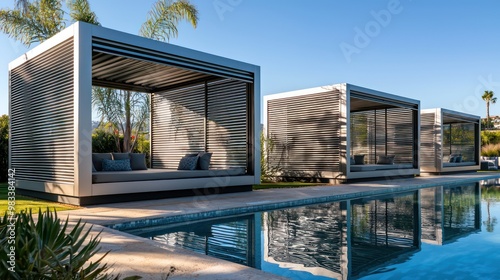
444, 53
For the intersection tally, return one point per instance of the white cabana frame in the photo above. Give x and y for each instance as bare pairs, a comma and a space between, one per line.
50, 108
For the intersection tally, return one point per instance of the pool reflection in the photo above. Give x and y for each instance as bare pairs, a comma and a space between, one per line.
344, 240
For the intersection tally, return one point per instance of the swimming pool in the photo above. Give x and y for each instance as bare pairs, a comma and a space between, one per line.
443, 232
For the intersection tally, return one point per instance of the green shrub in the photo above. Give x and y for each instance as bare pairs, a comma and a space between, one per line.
103, 142
44, 250
268, 171
4, 147
490, 137
490, 150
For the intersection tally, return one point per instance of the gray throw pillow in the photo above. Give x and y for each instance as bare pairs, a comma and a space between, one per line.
353, 162
138, 161
389, 159
93, 168
97, 159
359, 159
454, 158
204, 160
117, 156
188, 163
116, 165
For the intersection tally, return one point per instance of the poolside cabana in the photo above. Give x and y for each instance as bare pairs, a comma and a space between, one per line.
342, 132
450, 141
199, 103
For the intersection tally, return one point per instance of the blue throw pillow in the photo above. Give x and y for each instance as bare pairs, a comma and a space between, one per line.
188, 163
116, 165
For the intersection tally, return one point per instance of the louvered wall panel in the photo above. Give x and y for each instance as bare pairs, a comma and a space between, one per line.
42, 117
181, 116
430, 139
306, 132
177, 125
227, 123
400, 134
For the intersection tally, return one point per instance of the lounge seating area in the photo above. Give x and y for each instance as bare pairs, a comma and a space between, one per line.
135, 169
204, 120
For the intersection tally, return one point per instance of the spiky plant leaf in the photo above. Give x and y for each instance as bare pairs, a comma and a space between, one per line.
45, 250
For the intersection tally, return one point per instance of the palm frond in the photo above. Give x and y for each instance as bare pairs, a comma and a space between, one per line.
43, 19
79, 10
164, 17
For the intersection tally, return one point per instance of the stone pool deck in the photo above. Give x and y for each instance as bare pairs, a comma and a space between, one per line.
131, 255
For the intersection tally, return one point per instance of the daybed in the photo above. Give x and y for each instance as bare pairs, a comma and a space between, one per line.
159, 174
373, 167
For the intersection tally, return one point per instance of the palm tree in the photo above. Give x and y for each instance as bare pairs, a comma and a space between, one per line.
36, 21
488, 98
133, 107
32, 22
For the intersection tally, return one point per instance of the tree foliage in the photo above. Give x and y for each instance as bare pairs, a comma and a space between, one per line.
164, 17
80, 11
36, 21
4, 147
489, 98
122, 112
268, 171
33, 21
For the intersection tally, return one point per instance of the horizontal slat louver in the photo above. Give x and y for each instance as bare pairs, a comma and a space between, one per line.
306, 132
42, 120
211, 117
177, 125
430, 138
400, 134
227, 123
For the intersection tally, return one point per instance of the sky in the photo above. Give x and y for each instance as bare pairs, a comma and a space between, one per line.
443, 53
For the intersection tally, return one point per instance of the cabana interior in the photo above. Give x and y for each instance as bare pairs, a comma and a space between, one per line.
342, 132
450, 141
199, 103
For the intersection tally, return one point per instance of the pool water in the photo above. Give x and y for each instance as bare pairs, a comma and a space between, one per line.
443, 232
